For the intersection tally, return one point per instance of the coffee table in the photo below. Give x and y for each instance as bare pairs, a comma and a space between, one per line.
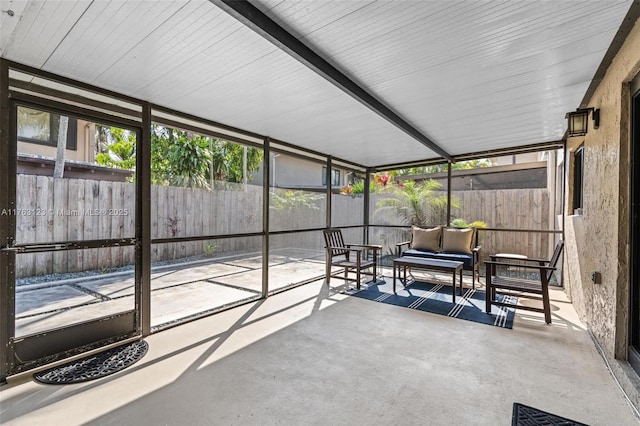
450, 266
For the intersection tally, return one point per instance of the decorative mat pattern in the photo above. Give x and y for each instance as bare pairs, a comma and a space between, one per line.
437, 299
523, 415
94, 366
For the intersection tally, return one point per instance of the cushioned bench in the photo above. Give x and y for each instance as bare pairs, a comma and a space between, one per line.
445, 243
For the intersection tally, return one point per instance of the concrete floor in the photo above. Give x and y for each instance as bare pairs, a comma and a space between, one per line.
178, 291
314, 356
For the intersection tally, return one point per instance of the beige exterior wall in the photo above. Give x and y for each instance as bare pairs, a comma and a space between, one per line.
517, 159
597, 240
84, 151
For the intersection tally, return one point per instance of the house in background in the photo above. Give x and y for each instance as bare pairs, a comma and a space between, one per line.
291, 172
38, 139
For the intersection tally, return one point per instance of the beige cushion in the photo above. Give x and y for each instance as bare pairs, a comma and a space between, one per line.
426, 239
457, 240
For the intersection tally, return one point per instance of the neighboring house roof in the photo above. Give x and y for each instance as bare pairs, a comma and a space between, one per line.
38, 165
525, 175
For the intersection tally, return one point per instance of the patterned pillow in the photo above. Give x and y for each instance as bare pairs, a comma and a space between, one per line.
426, 239
457, 240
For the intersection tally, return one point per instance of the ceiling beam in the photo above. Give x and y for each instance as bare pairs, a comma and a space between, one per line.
253, 18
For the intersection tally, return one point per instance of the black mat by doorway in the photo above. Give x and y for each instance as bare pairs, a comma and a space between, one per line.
94, 366
523, 415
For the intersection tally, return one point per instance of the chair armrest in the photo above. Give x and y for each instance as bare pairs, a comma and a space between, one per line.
475, 252
518, 258
354, 249
538, 267
366, 246
399, 247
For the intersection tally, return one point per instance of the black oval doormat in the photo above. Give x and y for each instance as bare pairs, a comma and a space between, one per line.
94, 366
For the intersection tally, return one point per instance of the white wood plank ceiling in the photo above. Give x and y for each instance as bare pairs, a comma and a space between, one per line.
470, 75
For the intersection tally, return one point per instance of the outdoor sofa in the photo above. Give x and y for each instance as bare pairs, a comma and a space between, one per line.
444, 243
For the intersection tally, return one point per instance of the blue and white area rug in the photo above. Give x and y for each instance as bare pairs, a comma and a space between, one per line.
436, 298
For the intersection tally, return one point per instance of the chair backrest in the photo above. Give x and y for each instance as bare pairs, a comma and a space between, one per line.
333, 238
554, 259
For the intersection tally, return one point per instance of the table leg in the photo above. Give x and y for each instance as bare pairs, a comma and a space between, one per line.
460, 282
375, 266
394, 277
454, 287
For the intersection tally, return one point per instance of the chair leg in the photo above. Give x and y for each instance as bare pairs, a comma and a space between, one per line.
327, 272
487, 307
358, 270
546, 305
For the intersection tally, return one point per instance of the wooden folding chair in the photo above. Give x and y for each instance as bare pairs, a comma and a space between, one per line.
350, 257
497, 284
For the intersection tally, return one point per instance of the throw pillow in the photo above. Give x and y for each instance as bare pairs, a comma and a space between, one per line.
457, 240
426, 239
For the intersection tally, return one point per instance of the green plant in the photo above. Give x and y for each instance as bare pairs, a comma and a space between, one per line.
210, 248
189, 159
294, 200
183, 158
415, 203
119, 148
461, 223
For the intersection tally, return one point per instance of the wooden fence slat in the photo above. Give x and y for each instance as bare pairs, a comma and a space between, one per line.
43, 261
106, 193
26, 222
129, 216
91, 223
60, 197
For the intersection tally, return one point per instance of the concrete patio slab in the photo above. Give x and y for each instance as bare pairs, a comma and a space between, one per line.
174, 303
52, 320
335, 359
48, 299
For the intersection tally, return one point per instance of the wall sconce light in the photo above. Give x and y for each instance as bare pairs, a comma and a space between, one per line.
579, 120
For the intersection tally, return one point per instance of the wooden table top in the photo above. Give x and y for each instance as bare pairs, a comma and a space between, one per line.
439, 264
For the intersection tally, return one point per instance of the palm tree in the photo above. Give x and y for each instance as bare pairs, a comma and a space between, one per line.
416, 203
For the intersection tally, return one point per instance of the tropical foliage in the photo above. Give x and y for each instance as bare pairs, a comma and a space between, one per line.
461, 223
357, 187
415, 203
179, 157
293, 200
438, 168
120, 148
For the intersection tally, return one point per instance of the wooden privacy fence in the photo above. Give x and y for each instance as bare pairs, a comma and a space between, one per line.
501, 208
510, 209
59, 209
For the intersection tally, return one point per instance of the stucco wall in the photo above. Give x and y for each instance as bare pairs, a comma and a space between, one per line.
597, 240
85, 143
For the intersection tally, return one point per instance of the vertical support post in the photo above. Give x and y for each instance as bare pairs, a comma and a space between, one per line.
143, 222
266, 173
565, 179
329, 188
367, 201
7, 227
448, 193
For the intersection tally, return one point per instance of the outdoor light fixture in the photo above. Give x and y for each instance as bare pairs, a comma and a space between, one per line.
579, 120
